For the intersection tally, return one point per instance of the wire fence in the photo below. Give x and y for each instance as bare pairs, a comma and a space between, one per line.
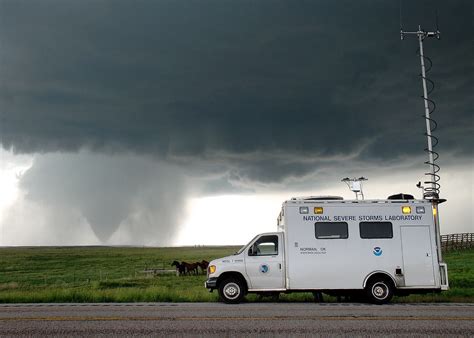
457, 241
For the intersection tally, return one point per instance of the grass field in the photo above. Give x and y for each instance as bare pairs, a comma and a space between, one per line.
115, 274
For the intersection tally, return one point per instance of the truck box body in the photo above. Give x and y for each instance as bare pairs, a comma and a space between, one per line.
338, 257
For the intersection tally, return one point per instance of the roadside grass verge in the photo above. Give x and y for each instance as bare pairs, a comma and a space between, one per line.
115, 274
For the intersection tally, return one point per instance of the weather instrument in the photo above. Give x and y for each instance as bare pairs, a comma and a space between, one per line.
355, 185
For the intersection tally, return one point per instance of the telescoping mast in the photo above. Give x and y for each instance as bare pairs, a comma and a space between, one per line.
431, 187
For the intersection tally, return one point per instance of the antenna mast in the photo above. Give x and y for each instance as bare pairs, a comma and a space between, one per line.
432, 190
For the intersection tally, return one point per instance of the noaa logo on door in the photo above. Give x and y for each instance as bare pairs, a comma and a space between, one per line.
264, 268
377, 251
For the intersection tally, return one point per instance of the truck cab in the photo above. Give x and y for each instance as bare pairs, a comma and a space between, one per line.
256, 267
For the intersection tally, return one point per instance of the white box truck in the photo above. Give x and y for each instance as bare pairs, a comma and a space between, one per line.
375, 248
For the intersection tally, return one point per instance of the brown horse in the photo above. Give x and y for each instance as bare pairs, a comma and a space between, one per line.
203, 265
190, 267
180, 269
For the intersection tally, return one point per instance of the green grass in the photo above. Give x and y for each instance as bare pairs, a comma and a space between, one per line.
101, 274
113, 274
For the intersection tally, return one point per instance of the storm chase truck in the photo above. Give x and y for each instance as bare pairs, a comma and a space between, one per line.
342, 247
374, 248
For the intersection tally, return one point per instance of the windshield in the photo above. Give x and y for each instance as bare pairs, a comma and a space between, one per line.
246, 245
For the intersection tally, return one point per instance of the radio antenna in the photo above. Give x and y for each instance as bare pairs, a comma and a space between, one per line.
432, 187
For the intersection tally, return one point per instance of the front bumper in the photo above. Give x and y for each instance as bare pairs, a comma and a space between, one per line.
211, 283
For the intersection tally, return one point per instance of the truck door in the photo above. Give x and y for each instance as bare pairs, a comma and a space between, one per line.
264, 263
417, 256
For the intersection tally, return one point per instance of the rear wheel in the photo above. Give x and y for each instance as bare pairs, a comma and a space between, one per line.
379, 290
231, 291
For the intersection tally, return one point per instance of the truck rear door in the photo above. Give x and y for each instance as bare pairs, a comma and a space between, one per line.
417, 256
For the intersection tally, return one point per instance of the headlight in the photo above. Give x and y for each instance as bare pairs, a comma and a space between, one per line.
212, 269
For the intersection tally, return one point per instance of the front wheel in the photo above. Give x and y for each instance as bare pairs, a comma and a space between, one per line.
379, 291
231, 291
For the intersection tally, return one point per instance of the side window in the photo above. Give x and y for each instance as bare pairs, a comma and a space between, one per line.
376, 230
331, 230
265, 246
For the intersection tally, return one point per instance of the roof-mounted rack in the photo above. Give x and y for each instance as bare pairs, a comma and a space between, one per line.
317, 198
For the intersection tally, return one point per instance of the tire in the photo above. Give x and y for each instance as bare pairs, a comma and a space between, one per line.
231, 291
379, 290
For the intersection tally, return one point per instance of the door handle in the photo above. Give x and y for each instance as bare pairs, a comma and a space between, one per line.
279, 265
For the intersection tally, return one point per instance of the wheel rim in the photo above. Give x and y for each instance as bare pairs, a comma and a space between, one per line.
380, 290
231, 290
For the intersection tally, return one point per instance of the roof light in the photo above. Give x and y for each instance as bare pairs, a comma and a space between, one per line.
304, 210
318, 210
420, 210
406, 210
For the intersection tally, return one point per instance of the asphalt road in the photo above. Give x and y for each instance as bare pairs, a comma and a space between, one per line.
252, 319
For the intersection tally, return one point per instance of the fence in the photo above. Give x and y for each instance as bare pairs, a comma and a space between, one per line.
457, 241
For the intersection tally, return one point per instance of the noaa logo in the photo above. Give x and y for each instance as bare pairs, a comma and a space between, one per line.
264, 268
377, 251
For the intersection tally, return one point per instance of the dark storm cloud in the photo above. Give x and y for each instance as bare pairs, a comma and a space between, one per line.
249, 86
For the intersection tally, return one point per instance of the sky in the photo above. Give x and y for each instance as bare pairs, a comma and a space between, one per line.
189, 122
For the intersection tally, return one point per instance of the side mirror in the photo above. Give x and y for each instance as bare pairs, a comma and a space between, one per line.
252, 250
